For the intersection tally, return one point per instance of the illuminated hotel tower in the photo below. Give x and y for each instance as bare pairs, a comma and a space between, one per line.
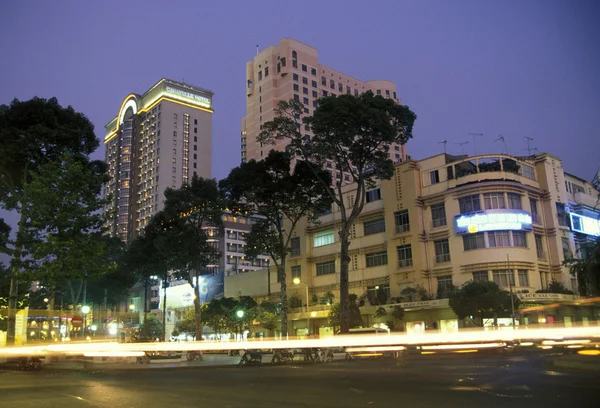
159, 139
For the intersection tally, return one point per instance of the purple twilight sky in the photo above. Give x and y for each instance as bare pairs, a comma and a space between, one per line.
516, 68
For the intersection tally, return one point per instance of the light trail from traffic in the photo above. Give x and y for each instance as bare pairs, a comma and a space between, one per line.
472, 339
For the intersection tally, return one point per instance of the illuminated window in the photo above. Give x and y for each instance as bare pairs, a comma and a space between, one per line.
323, 238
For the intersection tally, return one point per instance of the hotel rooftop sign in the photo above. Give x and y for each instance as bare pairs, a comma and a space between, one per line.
492, 220
188, 96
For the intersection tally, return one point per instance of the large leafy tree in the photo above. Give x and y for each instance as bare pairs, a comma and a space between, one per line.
146, 258
277, 192
33, 133
355, 135
334, 317
64, 224
192, 215
482, 299
587, 268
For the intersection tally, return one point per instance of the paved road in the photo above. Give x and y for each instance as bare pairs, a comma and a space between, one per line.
433, 382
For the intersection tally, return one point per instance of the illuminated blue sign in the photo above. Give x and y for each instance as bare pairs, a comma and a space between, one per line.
585, 225
492, 220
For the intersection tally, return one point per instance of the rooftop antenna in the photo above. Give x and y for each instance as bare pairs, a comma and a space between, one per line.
462, 146
529, 149
500, 137
444, 143
474, 142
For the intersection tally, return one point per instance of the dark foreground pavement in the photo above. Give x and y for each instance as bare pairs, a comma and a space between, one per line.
457, 381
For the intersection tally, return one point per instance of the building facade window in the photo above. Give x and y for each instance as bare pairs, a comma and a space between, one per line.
444, 283
474, 241
438, 215
373, 195
325, 268
502, 276
469, 204
404, 256
523, 277
442, 251
533, 203
519, 239
434, 176
539, 247
402, 221
481, 276
566, 246
498, 239
494, 201
376, 259
323, 238
514, 201
296, 272
374, 227
295, 246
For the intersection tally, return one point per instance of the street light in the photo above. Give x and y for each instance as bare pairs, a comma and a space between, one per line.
85, 309
297, 281
240, 313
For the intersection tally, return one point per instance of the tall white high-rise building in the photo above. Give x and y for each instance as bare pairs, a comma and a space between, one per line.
158, 140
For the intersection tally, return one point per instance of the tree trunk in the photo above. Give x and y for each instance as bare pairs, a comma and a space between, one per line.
12, 310
344, 266
283, 298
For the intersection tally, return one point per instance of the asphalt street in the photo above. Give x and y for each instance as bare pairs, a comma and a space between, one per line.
484, 381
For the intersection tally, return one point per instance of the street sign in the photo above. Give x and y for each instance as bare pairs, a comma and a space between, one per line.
77, 321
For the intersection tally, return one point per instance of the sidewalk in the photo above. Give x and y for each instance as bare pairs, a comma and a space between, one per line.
590, 363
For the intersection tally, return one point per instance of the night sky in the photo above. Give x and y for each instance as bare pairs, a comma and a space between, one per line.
516, 68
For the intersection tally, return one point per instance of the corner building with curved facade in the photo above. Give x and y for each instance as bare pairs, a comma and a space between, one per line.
446, 220
158, 140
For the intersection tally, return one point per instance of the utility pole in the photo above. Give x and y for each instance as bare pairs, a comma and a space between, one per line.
510, 286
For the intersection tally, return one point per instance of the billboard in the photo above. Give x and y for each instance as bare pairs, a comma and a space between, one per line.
585, 225
181, 296
493, 220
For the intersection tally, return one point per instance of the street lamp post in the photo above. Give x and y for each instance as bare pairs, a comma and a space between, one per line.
297, 281
511, 276
85, 309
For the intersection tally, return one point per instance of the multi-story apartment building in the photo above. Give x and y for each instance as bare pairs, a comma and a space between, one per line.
291, 70
446, 220
159, 139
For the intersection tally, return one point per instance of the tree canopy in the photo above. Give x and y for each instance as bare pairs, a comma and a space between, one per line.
483, 300
277, 190
353, 134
